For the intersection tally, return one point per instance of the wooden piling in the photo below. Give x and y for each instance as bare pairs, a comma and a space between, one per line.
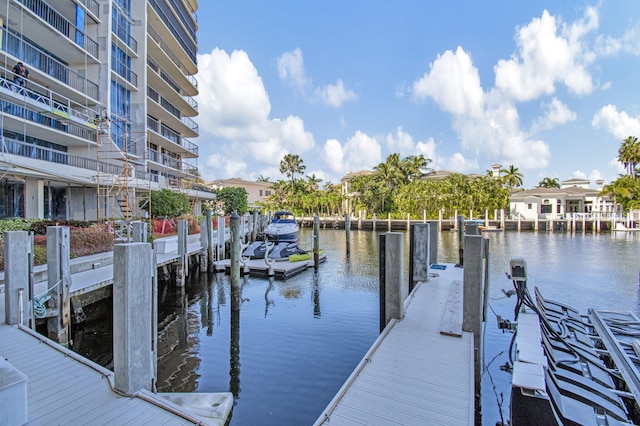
234, 273
391, 265
316, 243
209, 230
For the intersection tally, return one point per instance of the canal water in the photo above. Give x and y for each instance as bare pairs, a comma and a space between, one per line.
295, 342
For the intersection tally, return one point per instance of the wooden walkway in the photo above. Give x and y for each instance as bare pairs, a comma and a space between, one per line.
63, 390
413, 374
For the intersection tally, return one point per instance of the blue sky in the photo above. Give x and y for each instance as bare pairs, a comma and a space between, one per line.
549, 87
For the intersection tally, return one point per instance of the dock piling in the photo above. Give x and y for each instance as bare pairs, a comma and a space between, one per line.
235, 261
16, 250
316, 242
392, 292
132, 317
139, 230
59, 281
419, 253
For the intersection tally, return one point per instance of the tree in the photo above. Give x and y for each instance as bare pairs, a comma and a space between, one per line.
549, 183
263, 178
511, 177
233, 199
629, 154
166, 203
291, 165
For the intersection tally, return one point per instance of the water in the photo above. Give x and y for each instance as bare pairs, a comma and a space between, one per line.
295, 342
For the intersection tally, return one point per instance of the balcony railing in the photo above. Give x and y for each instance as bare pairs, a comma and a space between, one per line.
173, 136
124, 71
92, 6
168, 51
188, 99
36, 152
62, 25
40, 60
123, 32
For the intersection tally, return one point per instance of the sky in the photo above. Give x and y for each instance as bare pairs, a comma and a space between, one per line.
549, 87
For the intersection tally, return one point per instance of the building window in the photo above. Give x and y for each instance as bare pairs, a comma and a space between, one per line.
529, 206
261, 192
545, 208
267, 193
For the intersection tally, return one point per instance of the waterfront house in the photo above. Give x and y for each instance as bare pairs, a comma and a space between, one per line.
107, 112
256, 190
574, 198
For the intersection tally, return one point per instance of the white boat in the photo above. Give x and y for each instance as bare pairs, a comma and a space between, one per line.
621, 227
282, 228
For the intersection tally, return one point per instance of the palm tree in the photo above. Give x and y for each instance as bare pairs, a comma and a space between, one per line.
263, 178
290, 165
549, 183
389, 172
414, 166
511, 177
313, 183
629, 154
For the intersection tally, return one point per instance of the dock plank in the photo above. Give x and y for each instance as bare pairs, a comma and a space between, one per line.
451, 324
62, 390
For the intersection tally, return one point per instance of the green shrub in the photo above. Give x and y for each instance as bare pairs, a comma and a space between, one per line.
15, 224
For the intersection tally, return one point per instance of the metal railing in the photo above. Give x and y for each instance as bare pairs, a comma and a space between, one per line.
172, 135
92, 6
168, 51
23, 149
124, 71
57, 21
49, 100
40, 60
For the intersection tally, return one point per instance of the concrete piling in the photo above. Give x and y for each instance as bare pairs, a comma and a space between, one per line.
139, 230
59, 281
132, 317
434, 230
419, 249
316, 242
391, 264
16, 251
204, 243
182, 269
209, 230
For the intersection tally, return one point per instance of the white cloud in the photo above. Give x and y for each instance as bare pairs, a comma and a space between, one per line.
555, 113
234, 116
291, 69
335, 94
549, 51
360, 152
606, 86
619, 124
579, 174
617, 167
453, 83
458, 163
628, 43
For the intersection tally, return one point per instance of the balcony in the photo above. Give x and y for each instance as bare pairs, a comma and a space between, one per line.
170, 164
172, 116
61, 24
121, 29
164, 49
190, 148
37, 59
124, 71
160, 77
36, 152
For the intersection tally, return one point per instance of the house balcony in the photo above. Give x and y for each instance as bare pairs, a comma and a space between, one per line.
125, 72
45, 25
170, 165
47, 69
169, 28
122, 32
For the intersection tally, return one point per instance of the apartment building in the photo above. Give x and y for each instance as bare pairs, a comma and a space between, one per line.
107, 111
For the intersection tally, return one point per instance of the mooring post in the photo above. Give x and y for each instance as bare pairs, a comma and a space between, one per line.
418, 254
16, 269
460, 225
473, 293
254, 226
139, 230
221, 234
235, 261
389, 222
316, 242
374, 221
391, 264
347, 229
209, 230
204, 244
434, 231
59, 281
132, 317
183, 261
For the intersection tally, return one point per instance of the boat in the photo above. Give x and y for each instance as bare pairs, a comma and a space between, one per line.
277, 250
621, 227
283, 227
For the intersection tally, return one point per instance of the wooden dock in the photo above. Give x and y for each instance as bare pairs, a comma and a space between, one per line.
64, 388
416, 372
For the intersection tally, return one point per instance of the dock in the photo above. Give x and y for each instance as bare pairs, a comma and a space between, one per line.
420, 370
281, 269
64, 388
